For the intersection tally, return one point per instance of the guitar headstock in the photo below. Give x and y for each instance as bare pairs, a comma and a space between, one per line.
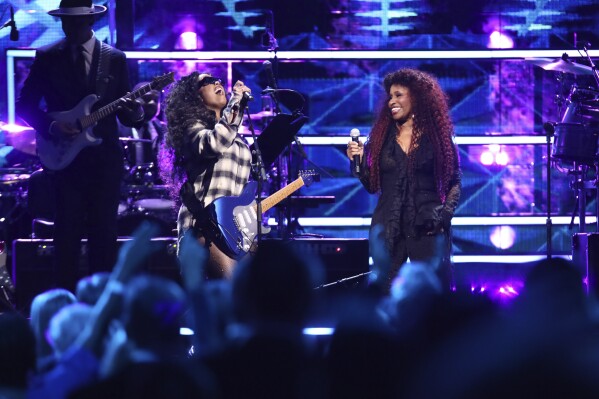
160, 82
309, 176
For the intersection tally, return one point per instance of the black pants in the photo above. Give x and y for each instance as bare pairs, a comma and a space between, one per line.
434, 250
87, 199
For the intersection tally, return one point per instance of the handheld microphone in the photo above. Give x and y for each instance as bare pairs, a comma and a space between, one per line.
355, 136
245, 97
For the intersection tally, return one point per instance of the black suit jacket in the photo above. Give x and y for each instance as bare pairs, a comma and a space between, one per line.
53, 80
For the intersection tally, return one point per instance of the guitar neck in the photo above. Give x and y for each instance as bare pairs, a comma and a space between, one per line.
280, 195
109, 109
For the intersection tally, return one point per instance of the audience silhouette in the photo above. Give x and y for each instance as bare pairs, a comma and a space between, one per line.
121, 337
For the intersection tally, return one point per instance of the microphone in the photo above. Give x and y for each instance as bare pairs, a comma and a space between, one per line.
355, 136
270, 76
245, 97
549, 127
271, 87
14, 32
582, 44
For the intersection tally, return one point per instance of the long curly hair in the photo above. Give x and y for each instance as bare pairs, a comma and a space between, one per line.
431, 118
184, 108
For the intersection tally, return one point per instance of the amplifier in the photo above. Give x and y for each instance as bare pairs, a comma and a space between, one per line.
33, 266
341, 257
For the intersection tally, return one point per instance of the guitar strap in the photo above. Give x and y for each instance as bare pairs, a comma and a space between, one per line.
103, 76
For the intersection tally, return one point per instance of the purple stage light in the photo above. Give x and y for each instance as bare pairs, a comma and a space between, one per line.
502, 158
499, 291
188, 41
13, 128
487, 158
498, 39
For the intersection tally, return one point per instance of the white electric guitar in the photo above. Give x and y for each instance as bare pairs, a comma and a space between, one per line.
57, 153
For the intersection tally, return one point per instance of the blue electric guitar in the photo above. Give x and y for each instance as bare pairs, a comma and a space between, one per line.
57, 153
233, 220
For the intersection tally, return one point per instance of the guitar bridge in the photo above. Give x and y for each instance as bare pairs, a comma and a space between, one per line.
243, 241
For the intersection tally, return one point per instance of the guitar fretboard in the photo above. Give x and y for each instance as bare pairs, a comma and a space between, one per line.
106, 110
280, 195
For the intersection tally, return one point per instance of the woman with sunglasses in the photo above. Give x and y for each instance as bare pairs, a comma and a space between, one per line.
203, 153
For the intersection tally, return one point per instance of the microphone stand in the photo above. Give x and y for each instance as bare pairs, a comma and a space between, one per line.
549, 130
260, 173
592, 65
596, 76
273, 90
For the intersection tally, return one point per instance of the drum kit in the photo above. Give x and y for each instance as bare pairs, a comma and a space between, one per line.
575, 149
143, 196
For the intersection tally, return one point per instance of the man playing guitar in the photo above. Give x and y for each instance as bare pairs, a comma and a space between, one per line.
87, 187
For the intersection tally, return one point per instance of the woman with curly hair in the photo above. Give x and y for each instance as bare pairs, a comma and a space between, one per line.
412, 162
203, 154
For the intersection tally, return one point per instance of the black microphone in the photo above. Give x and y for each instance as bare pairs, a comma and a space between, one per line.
582, 44
270, 76
14, 32
549, 127
245, 97
355, 136
271, 87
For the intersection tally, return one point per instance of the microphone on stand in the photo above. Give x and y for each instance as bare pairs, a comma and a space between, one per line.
14, 32
272, 82
582, 44
271, 87
245, 98
549, 127
355, 136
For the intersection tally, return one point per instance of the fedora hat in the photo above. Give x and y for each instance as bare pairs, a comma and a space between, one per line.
77, 8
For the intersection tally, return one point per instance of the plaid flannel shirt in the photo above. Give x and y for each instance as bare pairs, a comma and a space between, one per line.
233, 160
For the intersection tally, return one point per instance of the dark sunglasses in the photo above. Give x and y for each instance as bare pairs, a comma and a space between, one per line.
209, 80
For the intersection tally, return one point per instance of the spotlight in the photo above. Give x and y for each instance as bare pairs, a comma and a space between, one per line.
487, 158
501, 159
503, 237
189, 40
499, 39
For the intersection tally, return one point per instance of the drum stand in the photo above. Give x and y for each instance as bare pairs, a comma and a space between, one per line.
581, 185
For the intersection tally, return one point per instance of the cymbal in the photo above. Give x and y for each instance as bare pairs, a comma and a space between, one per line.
134, 140
23, 140
561, 65
262, 115
244, 131
13, 178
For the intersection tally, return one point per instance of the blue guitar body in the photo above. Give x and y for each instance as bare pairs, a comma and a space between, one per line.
233, 220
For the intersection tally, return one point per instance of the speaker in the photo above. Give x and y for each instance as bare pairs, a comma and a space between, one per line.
33, 266
342, 258
585, 255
